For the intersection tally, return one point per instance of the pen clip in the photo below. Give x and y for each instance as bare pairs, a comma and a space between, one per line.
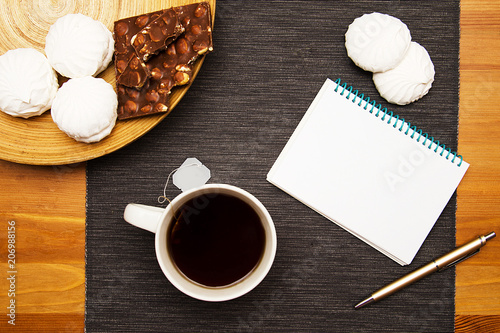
453, 263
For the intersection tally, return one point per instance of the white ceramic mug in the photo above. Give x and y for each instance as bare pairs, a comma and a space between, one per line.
158, 220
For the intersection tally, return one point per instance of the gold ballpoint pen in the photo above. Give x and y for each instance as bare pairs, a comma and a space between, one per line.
454, 257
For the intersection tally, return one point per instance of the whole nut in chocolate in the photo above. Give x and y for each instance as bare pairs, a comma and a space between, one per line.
154, 52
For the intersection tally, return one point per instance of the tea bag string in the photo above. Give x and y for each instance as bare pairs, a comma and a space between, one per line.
163, 198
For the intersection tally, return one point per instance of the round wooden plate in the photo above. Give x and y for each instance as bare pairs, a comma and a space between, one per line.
37, 140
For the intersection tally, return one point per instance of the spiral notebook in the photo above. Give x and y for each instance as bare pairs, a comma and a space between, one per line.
367, 170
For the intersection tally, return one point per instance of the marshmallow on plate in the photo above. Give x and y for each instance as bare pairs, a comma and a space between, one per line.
77, 46
28, 84
85, 109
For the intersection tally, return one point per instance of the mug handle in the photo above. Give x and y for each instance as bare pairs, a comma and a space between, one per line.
143, 216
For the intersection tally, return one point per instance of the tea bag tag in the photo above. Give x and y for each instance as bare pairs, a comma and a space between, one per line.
192, 173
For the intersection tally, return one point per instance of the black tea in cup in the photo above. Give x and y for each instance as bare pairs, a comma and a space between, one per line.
216, 239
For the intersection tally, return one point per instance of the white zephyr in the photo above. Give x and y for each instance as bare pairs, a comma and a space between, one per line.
77, 46
377, 42
28, 84
85, 109
410, 80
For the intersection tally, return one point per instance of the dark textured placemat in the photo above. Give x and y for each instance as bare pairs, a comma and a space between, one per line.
270, 59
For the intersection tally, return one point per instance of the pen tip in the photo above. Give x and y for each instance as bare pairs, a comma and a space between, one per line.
490, 236
363, 303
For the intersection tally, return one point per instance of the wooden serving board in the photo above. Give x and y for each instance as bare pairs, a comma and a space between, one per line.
38, 140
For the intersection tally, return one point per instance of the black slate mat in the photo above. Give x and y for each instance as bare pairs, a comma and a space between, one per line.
270, 59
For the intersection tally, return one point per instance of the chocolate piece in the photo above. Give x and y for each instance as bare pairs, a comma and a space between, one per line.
156, 35
153, 96
166, 68
175, 63
134, 73
173, 67
149, 99
144, 86
197, 37
124, 30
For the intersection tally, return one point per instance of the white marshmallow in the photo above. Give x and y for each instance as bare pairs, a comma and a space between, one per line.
410, 80
85, 109
77, 46
28, 84
377, 42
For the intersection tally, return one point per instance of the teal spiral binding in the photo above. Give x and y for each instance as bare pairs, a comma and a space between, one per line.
383, 113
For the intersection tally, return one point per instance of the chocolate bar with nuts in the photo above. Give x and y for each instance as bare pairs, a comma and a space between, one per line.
175, 63
144, 87
129, 70
197, 37
174, 66
155, 35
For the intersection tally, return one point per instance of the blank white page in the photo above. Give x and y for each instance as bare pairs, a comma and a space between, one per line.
366, 174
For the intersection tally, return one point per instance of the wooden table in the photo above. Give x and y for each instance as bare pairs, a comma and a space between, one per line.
48, 206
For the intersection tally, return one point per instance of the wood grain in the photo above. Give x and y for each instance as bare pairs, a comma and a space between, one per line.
466, 323
49, 204
38, 140
478, 279
48, 207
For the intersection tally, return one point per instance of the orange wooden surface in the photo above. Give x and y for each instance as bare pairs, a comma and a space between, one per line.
478, 279
48, 206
